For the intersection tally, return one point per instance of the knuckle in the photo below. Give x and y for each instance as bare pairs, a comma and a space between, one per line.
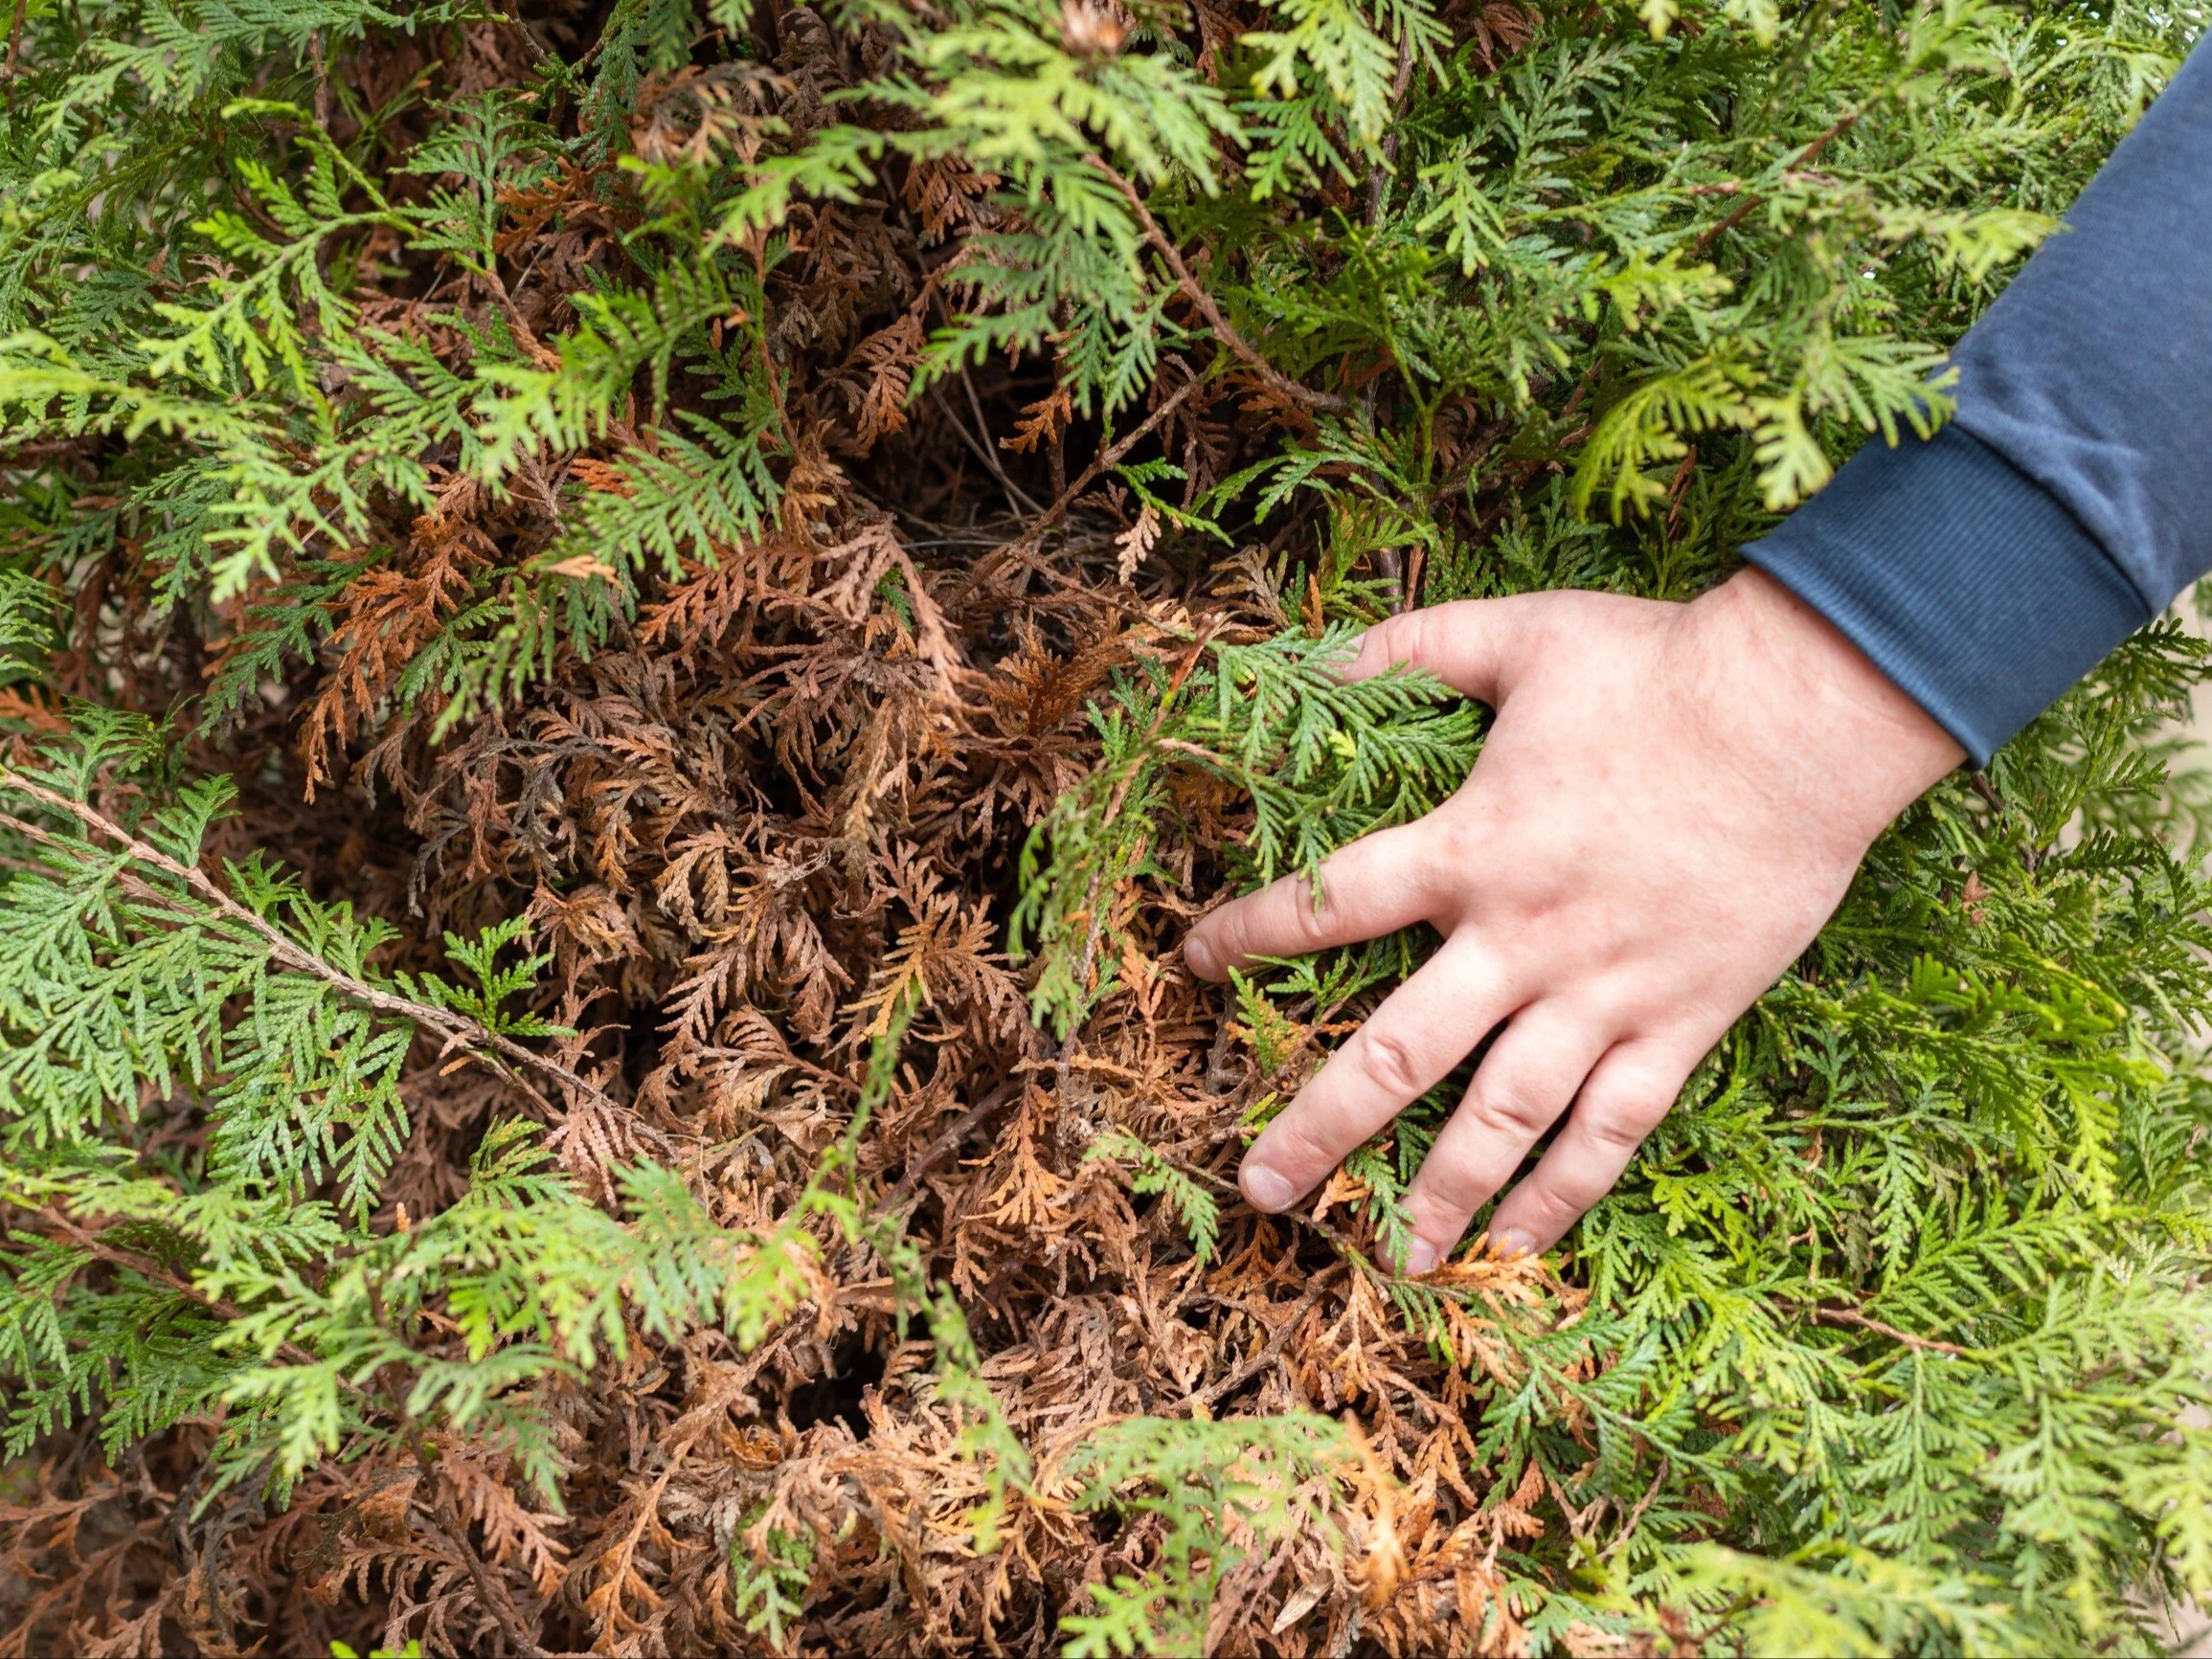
1223, 935
1506, 1111
1623, 1129
1391, 641
1426, 633
1390, 1062
1648, 1114
1550, 1210
1296, 1148
1312, 915
1450, 1189
1408, 638
1457, 845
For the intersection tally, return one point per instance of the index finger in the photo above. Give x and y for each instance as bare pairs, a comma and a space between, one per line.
1376, 886
1470, 644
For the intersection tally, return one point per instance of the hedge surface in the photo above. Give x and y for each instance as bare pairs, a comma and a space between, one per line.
631, 631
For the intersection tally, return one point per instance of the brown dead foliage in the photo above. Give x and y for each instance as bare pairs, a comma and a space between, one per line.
775, 803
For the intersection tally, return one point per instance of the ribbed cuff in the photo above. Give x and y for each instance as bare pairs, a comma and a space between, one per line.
1966, 582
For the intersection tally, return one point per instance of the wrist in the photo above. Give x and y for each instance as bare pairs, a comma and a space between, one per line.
1818, 705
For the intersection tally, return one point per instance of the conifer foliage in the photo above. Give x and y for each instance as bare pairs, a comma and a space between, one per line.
631, 629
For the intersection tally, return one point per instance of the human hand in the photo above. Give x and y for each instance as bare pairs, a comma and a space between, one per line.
1671, 801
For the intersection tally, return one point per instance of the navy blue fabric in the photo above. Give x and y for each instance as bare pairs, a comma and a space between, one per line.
2070, 498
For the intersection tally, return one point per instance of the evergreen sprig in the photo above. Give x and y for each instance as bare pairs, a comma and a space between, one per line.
1322, 759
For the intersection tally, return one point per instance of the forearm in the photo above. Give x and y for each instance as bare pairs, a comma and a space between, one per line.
2069, 500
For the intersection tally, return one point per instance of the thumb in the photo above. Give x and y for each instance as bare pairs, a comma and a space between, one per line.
1473, 645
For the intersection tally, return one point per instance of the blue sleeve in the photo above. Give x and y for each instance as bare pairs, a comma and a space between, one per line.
2070, 498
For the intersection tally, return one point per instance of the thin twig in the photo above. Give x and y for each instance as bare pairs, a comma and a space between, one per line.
1628, 1525
1981, 785
948, 1143
458, 1030
1021, 496
525, 336
1191, 289
1853, 1317
1101, 462
1805, 158
147, 1267
1380, 174
322, 78
14, 50
1271, 1349
513, 14
1014, 494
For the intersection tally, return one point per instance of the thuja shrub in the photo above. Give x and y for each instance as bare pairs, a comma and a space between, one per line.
630, 633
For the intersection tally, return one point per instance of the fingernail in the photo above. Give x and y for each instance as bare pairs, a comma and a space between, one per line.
1201, 955
1421, 1257
1511, 1242
1266, 1188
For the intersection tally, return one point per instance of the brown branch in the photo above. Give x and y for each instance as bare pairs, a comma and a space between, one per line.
1714, 233
1390, 561
1190, 288
525, 336
1277, 1339
1628, 1527
1851, 1316
147, 1267
1380, 174
1981, 785
458, 1030
1805, 158
1101, 463
322, 78
490, 1595
512, 15
9, 70
949, 1142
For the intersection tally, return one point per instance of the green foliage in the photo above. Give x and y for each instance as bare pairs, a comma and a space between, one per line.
1322, 760
1149, 1173
1855, 1605
769, 1595
1220, 1490
413, 1650
534, 1280
117, 969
